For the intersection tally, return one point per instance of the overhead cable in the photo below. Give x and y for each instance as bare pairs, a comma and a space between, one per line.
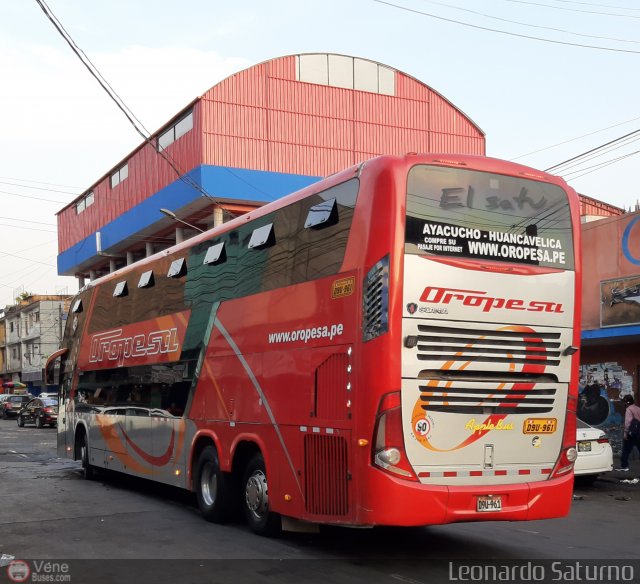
524, 36
137, 125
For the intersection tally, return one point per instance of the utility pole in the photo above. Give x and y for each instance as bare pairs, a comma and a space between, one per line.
59, 325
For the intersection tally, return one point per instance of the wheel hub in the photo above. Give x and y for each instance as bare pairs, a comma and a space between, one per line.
256, 493
209, 484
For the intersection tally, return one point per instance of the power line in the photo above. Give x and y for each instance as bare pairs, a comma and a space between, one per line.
38, 182
28, 228
531, 25
137, 125
36, 188
6, 253
599, 153
602, 165
28, 221
572, 9
574, 139
32, 197
557, 166
524, 36
597, 5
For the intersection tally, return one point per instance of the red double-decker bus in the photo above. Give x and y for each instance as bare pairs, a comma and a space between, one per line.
393, 345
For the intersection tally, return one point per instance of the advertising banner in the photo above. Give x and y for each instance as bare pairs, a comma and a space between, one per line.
620, 302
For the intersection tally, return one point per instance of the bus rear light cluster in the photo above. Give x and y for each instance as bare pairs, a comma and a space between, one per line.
568, 454
388, 445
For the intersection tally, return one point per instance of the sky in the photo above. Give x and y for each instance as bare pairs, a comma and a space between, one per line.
546, 80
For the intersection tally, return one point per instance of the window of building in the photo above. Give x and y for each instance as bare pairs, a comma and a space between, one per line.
177, 130
119, 175
346, 72
11, 327
85, 202
36, 316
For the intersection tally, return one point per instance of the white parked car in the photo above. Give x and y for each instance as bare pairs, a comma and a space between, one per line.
594, 452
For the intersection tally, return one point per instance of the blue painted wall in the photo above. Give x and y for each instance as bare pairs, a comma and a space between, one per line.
218, 181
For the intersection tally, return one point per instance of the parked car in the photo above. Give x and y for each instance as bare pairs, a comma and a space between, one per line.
594, 453
13, 404
51, 394
40, 412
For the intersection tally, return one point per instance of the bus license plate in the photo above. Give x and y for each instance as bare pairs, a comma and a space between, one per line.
540, 426
484, 504
584, 446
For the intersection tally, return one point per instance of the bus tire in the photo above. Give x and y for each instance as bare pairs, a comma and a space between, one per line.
88, 472
212, 487
255, 499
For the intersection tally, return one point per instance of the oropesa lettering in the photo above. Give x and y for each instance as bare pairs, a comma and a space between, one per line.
479, 299
113, 346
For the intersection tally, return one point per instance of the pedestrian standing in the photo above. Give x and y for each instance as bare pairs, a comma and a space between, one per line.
631, 431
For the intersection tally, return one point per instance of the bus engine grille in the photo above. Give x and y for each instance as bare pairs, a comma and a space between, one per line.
326, 475
476, 347
521, 399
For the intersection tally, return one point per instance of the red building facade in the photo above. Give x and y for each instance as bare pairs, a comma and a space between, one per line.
257, 135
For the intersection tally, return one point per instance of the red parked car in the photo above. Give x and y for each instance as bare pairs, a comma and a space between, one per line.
12, 405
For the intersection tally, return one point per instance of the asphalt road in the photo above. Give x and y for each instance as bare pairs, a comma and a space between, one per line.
47, 511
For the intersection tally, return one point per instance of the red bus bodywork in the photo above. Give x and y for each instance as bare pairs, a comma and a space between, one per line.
286, 371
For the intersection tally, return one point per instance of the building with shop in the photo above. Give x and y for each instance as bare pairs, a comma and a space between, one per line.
33, 330
610, 353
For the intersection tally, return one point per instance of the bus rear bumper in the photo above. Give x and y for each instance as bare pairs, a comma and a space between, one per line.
405, 503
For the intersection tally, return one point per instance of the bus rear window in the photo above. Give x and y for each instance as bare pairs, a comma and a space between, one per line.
481, 215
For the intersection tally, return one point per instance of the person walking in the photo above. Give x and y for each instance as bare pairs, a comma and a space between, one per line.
631, 431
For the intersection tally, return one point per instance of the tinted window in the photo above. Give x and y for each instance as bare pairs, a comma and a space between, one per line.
137, 390
297, 255
470, 214
140, 304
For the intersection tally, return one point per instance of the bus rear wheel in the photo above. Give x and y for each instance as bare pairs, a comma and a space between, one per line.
88, 472
255, 499
212, 487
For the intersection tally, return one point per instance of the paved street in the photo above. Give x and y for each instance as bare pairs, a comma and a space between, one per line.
48, 511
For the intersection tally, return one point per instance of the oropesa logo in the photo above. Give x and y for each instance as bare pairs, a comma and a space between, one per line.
18, 571
479, 299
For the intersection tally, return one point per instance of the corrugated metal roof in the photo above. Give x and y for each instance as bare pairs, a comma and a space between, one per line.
263, 118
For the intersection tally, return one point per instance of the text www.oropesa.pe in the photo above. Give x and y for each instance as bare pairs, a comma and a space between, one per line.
319, 332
